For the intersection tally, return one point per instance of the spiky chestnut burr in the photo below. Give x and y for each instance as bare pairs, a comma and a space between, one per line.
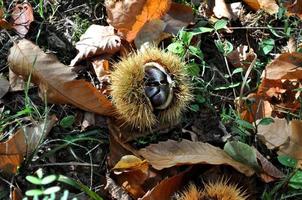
220, 190
150, 88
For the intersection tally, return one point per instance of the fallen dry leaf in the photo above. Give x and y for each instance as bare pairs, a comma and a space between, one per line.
294, 7
116, 191
131, 172
178, 16
269, 6
254, 107
150, 34
128, 17
241, 57
221, 9
56, 81
97, 40
4, 86
3, 23
268, 171
16, 81
23, 143
22, 16
285, 66
173, 153
283, 135
167, 187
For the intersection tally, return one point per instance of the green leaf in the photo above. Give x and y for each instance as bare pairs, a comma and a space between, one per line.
287, 161
177, 48
237, 70
79, 186
193, 69
186, 37
244, 124
33, 179
267, 46
296, 180
67, 121
52, 190
65, 195
201, 30
266, 121
194, 107
224, 47
242, 153
34, 192
200, 99
196, 52
220, 24
48, 179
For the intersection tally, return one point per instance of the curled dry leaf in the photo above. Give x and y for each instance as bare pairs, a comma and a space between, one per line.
150, 34
221, 9
172, 153
269, 6
128, 17
23, 143
115, 190
131, 172
56, 81
241, 57
283, 135
294, 7
22, 16
4, 86
178, 16
167, 187
95, 41
3, 23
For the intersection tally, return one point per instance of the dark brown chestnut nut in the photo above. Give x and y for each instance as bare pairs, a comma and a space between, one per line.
158, 85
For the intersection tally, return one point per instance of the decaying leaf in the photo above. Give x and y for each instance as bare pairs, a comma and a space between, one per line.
178, 16
241, 57
128, 17
167, 187
172, 153
131, 172
221, 9
4, 86
269, 6
115, 190
283, 135
285, 66
56, 81
23, 143
3, 23
97, 40
150, 34
22, 16
294, 7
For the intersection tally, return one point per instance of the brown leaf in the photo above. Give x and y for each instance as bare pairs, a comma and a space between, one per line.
167, 187
268, 169
178, 16
128, 17
56, 81
172, 153
241, 57
286, 136
3, 23
294, 7
285, 66
269, 6
150, 34
95, 41
221, 9
16, 81
4, 86
131, 172
115, 190
22, 16
23, 143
